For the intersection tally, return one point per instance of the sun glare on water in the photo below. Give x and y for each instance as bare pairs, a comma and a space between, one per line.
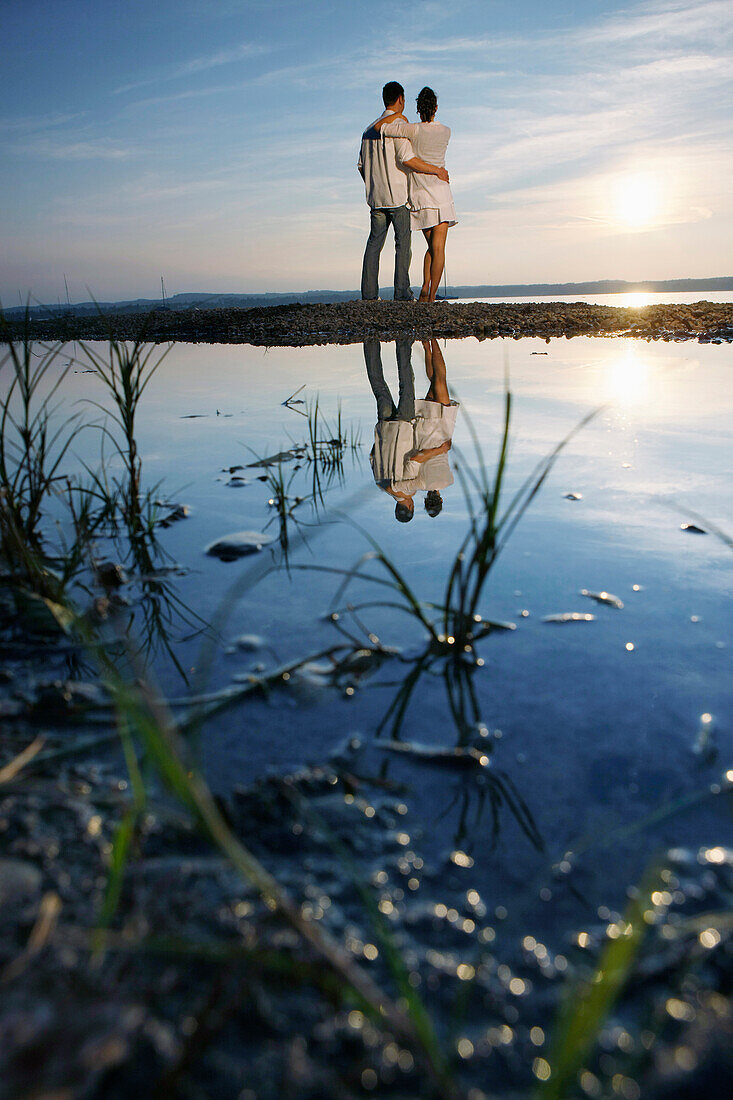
627, 379
635, 299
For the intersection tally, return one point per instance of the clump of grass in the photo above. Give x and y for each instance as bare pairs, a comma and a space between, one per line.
587, 1004
126, 375
32, 450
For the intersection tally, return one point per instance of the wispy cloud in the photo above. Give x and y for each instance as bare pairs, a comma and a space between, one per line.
33, 123
49, 149
197, 65
663, 22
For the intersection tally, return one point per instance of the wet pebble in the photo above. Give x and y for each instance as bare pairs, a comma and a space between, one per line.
238, 544
569, 617
603, 597
704, 746
20, 881
174, 513
110, 574
248, 642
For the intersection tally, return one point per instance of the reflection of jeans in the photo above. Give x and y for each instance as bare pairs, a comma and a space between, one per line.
386, 410
399, 217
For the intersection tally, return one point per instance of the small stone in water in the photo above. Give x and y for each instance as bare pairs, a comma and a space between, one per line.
248, 642
110, 574
19, 881
238, 544
704, 746
176, 512
573, 496
569, 617
692, 528
603, 597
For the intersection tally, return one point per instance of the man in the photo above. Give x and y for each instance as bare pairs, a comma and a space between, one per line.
383, 164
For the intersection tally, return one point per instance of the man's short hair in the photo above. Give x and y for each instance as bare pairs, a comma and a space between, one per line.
391, 92
402, 513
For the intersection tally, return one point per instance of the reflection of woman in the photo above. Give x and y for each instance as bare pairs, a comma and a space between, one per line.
431, 200
434, 426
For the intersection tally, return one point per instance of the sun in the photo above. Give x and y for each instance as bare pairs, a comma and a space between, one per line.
636, 199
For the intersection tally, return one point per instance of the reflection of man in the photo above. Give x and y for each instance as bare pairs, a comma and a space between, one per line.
394, 432
384, 164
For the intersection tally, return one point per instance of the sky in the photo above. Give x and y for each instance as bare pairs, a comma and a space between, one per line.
214, 142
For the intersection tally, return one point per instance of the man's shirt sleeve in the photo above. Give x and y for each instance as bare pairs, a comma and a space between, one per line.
403, 151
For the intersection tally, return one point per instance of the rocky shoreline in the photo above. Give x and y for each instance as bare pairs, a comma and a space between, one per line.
352, 322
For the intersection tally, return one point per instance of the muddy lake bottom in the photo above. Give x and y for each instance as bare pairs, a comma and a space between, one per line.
599, 706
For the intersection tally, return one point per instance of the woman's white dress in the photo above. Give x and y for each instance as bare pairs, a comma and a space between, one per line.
430, 199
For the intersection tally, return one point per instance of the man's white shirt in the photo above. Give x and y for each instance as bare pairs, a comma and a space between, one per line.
381, 165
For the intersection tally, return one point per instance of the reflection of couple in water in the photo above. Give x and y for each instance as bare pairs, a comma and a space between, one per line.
413, 437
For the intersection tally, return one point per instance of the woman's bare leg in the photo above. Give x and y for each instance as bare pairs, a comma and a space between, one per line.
425, 289
439, 382
437, 257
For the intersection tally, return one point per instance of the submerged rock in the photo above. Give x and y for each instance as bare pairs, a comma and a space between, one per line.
430, 754
248, 642
110, 574
20, 881
569, 617
274, 460
704, 745
238, 545
174, 513
603, 597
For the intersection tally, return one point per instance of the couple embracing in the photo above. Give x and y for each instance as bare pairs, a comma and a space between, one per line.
403, 167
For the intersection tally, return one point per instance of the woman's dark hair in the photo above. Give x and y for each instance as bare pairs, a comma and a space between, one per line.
427, 104
433, 503
402, 513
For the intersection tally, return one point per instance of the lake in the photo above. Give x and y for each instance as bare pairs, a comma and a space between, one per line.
599, 718
598, 708
635, 299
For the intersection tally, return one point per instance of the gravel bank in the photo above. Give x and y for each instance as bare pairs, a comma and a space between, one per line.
351, 322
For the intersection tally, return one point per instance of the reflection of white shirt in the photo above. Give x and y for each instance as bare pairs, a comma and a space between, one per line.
434, 426
380, 163
394, 440
429, 140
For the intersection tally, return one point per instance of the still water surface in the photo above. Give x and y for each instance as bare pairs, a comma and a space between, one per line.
635, 298
599, 719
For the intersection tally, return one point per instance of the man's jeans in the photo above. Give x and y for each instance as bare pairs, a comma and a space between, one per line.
386, 408
399, 217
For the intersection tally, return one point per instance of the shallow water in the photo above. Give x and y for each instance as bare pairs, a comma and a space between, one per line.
598, 719
633, 298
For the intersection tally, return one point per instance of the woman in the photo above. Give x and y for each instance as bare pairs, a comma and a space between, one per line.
431, 201
435, 424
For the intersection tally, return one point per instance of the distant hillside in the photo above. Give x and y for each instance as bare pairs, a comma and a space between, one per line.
198, 300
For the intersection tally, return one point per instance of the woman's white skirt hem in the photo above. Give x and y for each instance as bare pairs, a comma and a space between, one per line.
430, 216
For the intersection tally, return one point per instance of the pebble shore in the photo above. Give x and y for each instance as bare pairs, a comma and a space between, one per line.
352, 322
